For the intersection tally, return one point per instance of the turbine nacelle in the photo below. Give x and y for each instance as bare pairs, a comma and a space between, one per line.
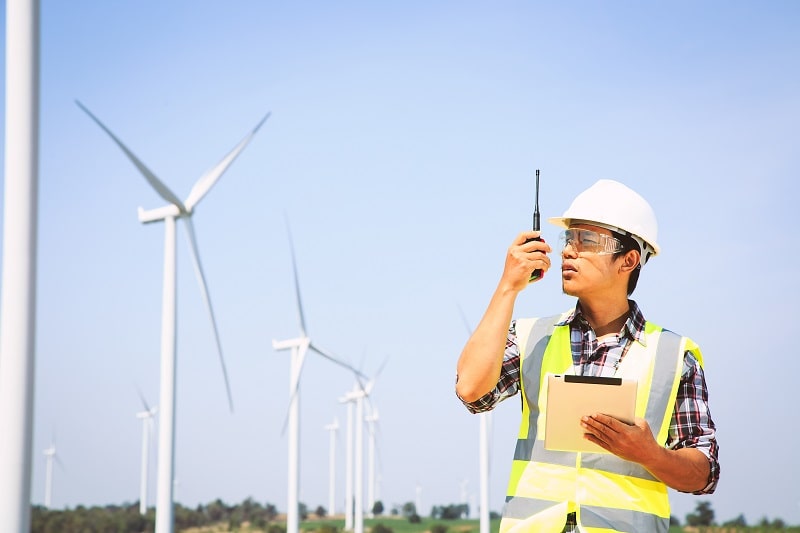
299, 343
160, 213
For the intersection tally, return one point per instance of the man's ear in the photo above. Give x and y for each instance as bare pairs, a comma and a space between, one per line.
630, 261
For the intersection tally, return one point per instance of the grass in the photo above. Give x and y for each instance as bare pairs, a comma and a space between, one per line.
402, 525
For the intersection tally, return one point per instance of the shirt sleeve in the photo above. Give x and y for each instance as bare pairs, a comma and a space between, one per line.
508, 383
691, 425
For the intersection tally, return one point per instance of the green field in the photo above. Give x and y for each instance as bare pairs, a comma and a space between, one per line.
402, 525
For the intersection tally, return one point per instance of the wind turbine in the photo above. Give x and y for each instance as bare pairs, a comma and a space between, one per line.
333, 428
299, 347
174, 210
50, 456
372, 420
348, 468
356, 396
483, 454
146, 417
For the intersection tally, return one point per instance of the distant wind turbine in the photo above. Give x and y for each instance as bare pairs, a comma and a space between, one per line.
355, 494
372, 420
299, 347
333, 428
50, 456
176, 209
146, 417
483, 454
356, 396
348, 467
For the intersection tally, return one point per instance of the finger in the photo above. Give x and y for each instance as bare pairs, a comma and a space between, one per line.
535, 246
600, 442
526, 236
600, 424
605, 420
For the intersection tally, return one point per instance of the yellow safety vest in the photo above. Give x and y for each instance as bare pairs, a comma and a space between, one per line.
606, 493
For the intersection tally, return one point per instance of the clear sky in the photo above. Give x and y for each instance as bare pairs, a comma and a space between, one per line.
402, 147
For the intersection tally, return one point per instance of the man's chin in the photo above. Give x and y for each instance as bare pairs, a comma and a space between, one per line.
567, 289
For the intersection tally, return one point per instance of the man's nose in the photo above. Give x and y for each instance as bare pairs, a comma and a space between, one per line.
569, 251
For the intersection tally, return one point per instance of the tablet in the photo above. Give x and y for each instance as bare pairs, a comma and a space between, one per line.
571, 397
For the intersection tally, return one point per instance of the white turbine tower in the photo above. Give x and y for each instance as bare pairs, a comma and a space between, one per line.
356, 501
372, 420
333, 428
483, 454
18, 297
170, 213
146, 417
299, 347
349, 399
50, 457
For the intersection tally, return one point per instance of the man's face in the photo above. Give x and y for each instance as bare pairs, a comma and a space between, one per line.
587, 261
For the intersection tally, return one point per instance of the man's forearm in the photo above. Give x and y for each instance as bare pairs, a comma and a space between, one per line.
481, 360
685, 470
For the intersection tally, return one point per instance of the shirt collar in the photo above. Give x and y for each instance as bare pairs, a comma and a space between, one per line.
633, 327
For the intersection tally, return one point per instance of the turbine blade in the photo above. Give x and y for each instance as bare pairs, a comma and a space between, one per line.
211, 176
380, 369
151, 178
466, 322
301, 315
201, 279
358, 375
296, 391
141, 397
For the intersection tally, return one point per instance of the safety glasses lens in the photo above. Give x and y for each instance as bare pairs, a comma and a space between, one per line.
584, 240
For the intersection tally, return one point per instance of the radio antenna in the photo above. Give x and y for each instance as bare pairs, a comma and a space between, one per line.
536, 223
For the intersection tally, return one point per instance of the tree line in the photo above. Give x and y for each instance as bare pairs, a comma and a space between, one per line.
126, 518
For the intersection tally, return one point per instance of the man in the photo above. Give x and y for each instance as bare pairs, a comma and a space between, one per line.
609, 233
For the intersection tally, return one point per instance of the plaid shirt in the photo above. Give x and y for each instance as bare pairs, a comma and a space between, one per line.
691, 425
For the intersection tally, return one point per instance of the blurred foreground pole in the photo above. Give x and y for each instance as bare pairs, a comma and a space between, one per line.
18, 302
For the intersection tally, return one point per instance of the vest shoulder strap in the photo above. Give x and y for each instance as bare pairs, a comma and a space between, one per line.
531, 330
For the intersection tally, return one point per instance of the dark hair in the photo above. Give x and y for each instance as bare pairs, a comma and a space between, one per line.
628, 244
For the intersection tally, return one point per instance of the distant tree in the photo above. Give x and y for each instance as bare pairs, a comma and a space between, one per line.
320, 511
216, 511
302, 510
739, 521
377, 508
409, 509
454, 511
414, 518
494, 515
673, 521
270, 512
775, 524
703, 515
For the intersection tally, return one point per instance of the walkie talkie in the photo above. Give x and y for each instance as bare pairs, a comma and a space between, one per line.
537, 274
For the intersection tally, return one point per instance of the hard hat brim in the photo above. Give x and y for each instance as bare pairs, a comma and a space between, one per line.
564, 222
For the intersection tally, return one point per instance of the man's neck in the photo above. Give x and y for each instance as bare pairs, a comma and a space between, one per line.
606, 316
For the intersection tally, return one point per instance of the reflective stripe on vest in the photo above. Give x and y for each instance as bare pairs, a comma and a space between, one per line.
607, 493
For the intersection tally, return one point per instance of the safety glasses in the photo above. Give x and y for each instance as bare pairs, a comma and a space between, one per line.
588, 241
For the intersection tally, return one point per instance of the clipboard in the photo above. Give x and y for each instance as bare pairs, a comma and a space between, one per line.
571, 397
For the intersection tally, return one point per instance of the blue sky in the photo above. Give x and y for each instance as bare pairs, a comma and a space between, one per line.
402, 148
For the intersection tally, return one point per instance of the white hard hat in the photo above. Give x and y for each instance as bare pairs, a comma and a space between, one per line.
612, 205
